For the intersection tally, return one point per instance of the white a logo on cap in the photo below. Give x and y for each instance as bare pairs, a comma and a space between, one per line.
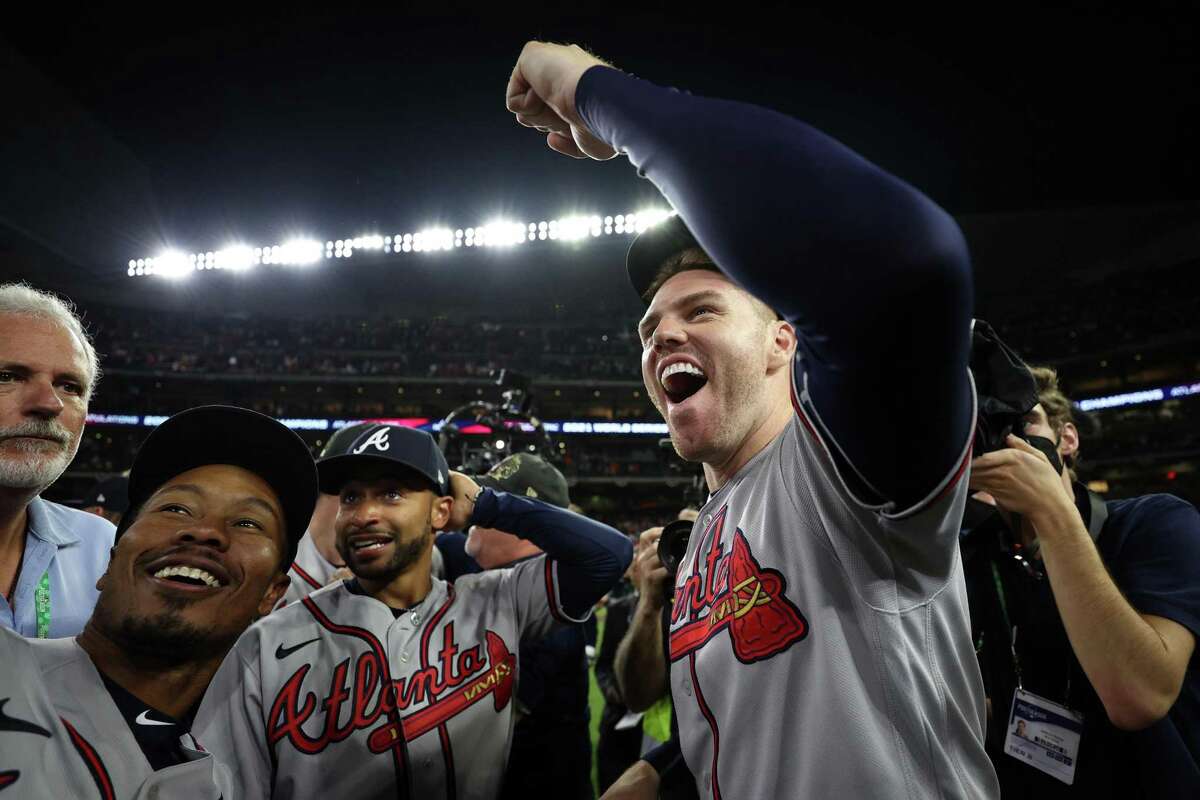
378, 440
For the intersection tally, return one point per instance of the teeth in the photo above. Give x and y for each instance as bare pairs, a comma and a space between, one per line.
677, 367
189, 572
369, 545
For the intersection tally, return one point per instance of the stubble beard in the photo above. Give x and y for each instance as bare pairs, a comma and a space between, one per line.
164, 638
34, 466
404, 556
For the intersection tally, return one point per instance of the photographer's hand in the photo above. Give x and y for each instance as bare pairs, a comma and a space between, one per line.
1022, 481
650, 575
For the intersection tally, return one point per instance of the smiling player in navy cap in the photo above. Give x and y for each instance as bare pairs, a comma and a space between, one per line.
218, 498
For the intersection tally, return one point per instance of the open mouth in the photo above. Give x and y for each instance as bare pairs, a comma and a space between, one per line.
681, 380
188, 576
368, 544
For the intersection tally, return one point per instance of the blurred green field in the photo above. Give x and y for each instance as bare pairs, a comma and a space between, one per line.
595, 699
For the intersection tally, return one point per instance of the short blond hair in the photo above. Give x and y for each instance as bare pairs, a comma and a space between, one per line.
1058, 407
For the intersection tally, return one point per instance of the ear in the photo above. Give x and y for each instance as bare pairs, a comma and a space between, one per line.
279, 585
1068, 440
439, 512
103, 579
783, 346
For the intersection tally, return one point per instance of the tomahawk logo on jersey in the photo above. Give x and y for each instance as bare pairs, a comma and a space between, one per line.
338, 696
735, 594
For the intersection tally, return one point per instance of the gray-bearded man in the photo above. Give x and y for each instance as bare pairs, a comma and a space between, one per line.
50, 555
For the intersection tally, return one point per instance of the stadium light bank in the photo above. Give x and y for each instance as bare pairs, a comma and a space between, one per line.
175, 264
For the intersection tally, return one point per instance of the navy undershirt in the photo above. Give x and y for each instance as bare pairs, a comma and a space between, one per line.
591, 557
157, 734
873, 274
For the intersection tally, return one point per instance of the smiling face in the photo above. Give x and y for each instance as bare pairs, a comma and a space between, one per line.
201, 561
711, 355
43, 400
385, 523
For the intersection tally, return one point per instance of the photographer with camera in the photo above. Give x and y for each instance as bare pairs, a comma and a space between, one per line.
1085, 614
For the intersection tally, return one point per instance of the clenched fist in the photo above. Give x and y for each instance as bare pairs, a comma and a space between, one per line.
541, 92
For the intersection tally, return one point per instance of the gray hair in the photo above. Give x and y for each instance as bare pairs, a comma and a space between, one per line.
23, 299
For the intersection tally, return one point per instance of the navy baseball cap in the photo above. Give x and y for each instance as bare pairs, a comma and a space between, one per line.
530, 476
340, 443
652, 247
386, 444
229, 435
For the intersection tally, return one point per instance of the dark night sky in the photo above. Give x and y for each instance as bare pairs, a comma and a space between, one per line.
264, 123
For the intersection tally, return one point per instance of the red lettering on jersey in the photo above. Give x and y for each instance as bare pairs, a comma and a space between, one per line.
368, 697
739, 595
288, 713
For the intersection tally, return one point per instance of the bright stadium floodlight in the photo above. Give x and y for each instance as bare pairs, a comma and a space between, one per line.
498, 233
574, 228
235, 257
171, 264
299, 251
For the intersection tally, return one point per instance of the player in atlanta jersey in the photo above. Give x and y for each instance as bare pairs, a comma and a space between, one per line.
397, 684
809, 346
218, 498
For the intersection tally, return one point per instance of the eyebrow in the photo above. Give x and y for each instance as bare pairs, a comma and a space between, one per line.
192, 488
650, 322
24, 371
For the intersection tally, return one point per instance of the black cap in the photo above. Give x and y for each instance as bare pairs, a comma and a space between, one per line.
111, 494
652, 247
229, 435
530, 476
386, 444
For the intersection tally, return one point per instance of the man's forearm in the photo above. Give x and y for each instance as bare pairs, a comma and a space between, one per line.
591, 556
1123, 656
640, 666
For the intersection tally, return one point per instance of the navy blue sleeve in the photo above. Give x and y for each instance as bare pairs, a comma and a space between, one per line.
591, 556
874, 275
1151, 545
453, 547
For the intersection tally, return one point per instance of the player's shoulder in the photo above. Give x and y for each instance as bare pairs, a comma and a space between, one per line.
287, 620
51, 655
493, 580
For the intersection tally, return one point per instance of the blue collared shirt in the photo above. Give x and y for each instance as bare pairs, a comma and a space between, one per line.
70, 546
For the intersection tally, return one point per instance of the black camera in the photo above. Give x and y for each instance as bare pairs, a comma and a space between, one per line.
1005, 388
672, 545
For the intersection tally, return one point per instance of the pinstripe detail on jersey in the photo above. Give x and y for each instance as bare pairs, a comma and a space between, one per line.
92, 759
712, 725
304, 576
400, 749
443, 732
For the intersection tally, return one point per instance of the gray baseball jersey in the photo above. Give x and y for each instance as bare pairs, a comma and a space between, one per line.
310, 571
299, 709
61, 734
820, 647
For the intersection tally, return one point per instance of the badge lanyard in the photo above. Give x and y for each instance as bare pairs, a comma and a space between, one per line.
1012, 639
41, 602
